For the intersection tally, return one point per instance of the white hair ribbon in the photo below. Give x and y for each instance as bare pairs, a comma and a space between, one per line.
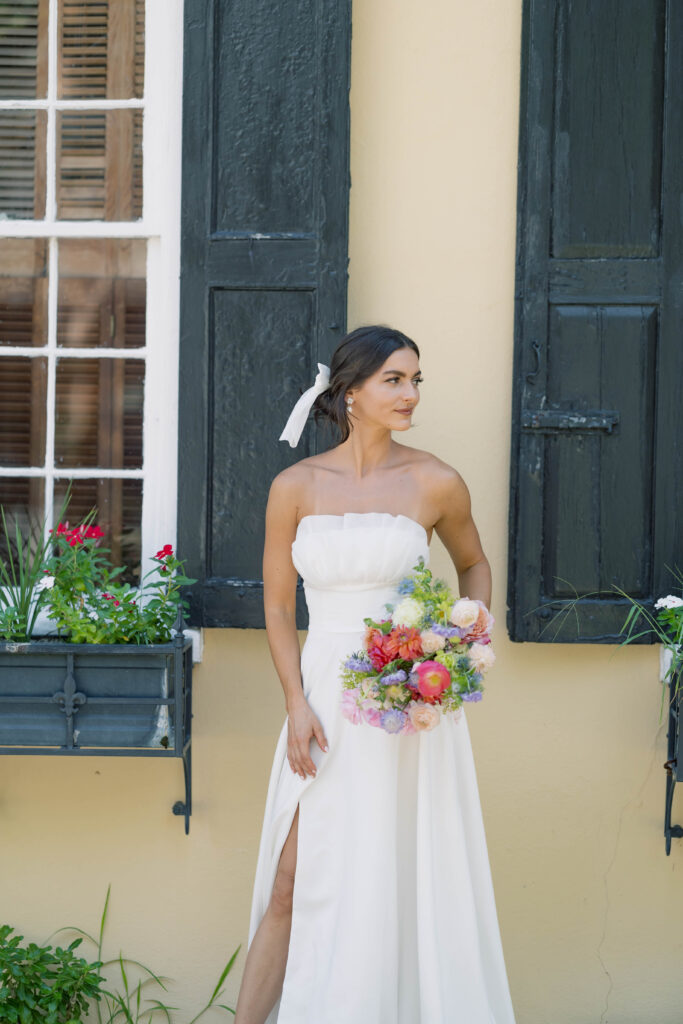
299, 414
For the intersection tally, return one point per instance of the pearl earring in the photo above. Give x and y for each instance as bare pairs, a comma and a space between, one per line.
349, 401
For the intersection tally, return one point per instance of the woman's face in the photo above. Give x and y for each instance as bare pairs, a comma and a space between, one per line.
392, 388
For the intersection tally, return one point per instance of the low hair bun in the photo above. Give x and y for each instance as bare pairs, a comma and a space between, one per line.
357, 356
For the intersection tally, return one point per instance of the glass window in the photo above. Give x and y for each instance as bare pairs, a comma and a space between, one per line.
73, 309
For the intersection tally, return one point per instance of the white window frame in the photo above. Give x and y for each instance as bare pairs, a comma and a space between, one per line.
160, 226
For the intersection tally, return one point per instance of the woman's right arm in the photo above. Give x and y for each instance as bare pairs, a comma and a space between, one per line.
279, 599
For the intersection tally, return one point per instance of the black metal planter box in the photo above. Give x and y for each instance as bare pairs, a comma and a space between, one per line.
92, 699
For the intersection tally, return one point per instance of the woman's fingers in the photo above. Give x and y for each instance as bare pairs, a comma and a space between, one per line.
299, 746
320, 736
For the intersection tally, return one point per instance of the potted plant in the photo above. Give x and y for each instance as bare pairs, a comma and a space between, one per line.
113, 672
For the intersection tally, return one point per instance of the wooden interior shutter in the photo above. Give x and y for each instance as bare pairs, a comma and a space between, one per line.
264, 257
597, 429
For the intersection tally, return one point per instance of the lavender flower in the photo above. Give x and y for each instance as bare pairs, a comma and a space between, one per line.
395, 677
358, 664
473, 696
392, 720
447, 631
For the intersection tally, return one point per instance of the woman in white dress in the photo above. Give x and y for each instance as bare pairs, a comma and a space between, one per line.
373, 901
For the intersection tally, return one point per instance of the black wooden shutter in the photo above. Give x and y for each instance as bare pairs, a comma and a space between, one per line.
264, 270
597, 446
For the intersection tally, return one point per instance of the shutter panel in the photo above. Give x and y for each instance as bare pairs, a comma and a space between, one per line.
264, 256
597, 428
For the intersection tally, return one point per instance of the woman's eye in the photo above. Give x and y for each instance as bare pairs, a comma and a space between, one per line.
416, 380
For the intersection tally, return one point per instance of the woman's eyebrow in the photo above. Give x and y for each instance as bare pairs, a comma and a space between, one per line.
401, 373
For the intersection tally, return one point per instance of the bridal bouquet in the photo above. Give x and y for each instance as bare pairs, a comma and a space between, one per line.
422, 661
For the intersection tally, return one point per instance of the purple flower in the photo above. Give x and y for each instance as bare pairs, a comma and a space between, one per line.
392, 720
358, 664
395, 677
474, 695
447, 631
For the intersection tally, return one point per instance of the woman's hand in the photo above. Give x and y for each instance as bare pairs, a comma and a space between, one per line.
303, 725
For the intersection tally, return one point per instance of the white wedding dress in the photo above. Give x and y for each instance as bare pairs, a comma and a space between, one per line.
394, 919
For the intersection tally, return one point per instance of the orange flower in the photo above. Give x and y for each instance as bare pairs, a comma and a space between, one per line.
372, 636
404, 642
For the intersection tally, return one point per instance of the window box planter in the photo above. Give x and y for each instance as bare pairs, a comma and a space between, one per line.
124, 700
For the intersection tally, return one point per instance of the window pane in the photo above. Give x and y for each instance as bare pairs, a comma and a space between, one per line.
99, 165
23, 383
102, 290
23, 501
101, 49
23, 292
23, 49
119, 504
99, 413
22, 164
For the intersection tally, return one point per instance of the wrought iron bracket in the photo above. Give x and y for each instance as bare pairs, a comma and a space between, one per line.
671, 765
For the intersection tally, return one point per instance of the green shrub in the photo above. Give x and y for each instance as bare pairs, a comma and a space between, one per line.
43, 984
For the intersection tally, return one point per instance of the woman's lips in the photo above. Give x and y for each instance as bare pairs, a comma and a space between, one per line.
405, 412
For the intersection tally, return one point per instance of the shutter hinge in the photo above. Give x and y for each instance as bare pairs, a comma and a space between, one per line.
549, 420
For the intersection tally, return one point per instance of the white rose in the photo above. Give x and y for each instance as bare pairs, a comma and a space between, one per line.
432, 642
407, 613
464, 613
481, 656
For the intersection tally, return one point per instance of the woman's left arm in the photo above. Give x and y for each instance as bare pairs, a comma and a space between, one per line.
460, 536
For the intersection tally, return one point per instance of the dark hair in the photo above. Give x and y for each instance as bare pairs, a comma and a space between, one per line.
357, 356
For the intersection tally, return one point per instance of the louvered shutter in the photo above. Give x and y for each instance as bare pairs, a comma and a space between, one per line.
264, 256
597, 429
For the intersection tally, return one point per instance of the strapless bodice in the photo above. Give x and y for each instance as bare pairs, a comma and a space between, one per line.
351, 564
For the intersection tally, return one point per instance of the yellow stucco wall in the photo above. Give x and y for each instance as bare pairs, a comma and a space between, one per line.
568, 743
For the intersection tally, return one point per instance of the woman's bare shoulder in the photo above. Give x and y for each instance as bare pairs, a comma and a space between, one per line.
291, 485
440, 482
435, 471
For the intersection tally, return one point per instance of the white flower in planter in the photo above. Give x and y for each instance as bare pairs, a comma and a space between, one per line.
46, 583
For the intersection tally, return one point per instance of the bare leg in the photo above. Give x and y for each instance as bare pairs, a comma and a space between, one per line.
264, 970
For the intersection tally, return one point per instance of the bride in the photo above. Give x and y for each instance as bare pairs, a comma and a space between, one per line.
373, 901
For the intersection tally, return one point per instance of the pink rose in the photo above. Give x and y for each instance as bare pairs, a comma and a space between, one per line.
432, 642
424, 716
349, 706
372, 716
